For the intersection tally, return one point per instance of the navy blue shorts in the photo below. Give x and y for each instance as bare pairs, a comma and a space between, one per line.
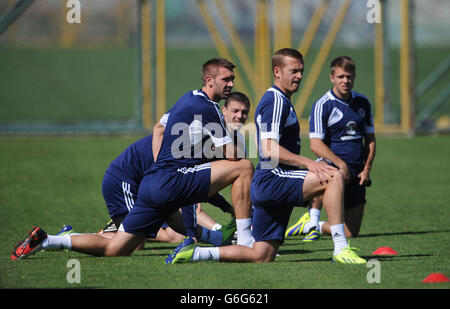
164, 191
274, 193
354, 194
120, 197
119, 194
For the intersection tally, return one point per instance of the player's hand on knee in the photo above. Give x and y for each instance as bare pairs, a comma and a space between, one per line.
323, 171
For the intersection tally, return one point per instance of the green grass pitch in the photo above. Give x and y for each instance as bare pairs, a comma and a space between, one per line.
51, 181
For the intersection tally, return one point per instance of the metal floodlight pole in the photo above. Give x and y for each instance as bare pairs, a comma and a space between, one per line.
442, 98
407, 91
145, 64
313, 26
382, 65
282, 34
218, 40
321, 57
160, 56
388, 117
9, 17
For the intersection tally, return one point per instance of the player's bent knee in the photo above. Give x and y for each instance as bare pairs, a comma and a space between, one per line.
123, 244
112, 250
337, 179
265, 258
246, 165
262, 257
269, 258
338, 176
266, 251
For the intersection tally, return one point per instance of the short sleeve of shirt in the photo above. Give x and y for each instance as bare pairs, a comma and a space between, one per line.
214, 127
318, 120
164, 119
369, 126
271, 117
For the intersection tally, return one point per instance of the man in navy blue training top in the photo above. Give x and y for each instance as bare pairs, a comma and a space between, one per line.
341, 132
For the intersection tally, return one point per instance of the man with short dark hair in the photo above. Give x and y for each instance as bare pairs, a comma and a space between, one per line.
341, 132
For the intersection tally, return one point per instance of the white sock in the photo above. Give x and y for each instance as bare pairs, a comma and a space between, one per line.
216, 227
206, 254
244, 232
320, 226
57, 242
339, 239
314, 216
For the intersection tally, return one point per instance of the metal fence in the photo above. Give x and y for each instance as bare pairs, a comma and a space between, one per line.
124, 63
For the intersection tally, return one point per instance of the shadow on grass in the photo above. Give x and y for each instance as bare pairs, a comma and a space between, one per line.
394, 257
155, 254
291, 243
378, 257
328, 260
159, 248
298, 251
291, 240
402, 233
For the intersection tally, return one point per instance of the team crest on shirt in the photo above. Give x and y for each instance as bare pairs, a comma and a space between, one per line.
362, 112
351, 128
